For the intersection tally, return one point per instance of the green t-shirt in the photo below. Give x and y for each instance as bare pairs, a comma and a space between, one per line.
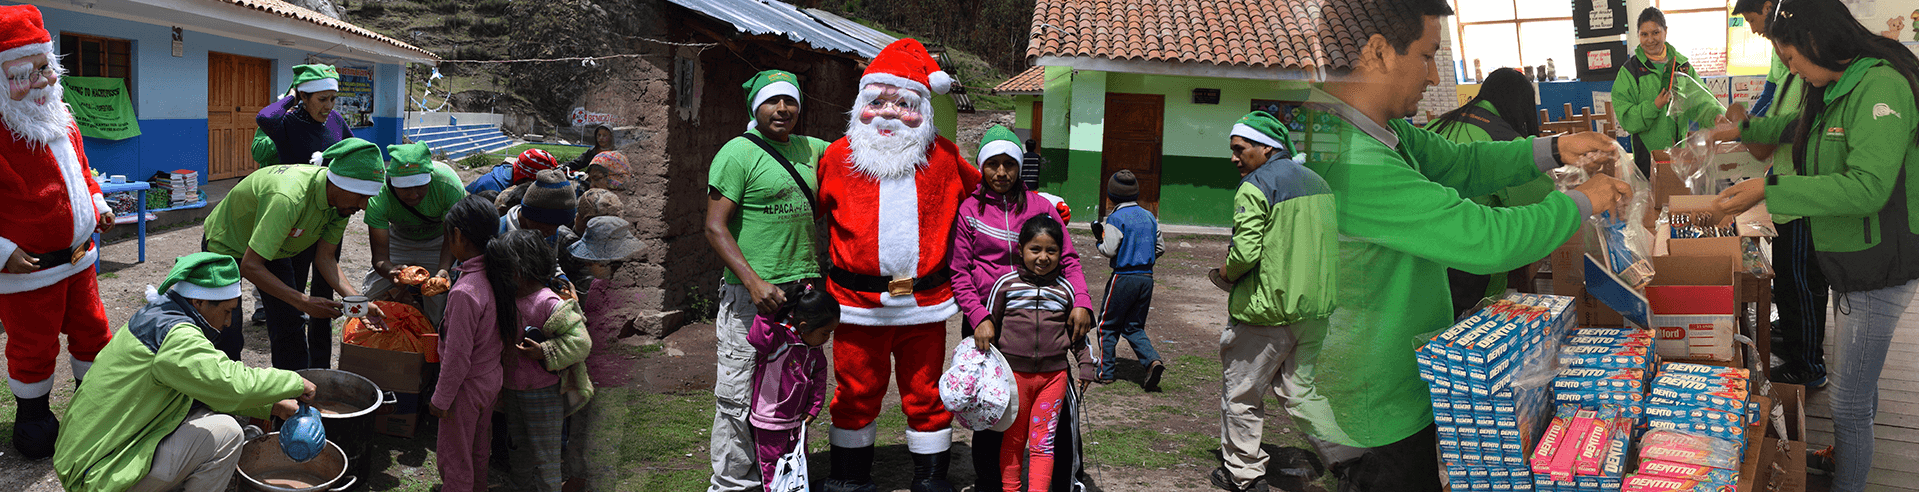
385, 211
774, 225
278, 211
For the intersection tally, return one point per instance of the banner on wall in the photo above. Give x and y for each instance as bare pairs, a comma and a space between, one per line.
1599, 18
355, 100
101, 107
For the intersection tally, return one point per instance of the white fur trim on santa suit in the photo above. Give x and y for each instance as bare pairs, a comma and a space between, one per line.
30, 390
895, 81
899, 256
854, 438
313, 86
411, 180
1001, 147
29, 50
80, 367
929, 442
1242, 131
195, 291
356, 185
78, 194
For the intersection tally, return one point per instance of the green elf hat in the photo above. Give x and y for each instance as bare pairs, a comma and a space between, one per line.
204, 276
355, 165
999, 141
315, 78
1262, 127
412, 165
765, 85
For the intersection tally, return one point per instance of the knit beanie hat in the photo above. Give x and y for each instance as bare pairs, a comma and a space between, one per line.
1262, 127
1122, 186
355, 165
315, 78
550, 199
532, 161
204, 276
616, 167
412, 165
766, 85
1000, 141
597, 202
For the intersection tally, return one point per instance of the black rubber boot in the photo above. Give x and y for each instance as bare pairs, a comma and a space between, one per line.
852, 470
34, 428
929, 472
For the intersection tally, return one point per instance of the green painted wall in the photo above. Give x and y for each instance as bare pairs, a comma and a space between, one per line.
946, 116
1023, 111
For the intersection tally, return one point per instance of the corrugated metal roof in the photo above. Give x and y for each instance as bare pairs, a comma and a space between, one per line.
302, 13
785, 20
856, 30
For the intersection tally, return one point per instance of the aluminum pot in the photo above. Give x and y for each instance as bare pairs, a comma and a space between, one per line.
264, 467
352, 400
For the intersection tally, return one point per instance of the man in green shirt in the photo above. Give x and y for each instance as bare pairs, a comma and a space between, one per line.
404, 222
1397, 199
279, 221
146, 418
754, 199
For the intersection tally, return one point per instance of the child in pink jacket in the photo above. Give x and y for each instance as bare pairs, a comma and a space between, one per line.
789, 377
470, 348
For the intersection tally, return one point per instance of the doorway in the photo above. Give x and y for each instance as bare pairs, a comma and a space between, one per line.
237, 88
1132, 141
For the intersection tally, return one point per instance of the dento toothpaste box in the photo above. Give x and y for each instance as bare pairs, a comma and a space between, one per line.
1703, 370
1688, 471
1654, 483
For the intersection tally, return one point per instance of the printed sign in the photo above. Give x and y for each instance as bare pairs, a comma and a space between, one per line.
101, 107
582, 117
355, 99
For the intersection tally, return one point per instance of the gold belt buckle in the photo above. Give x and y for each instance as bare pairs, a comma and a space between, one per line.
900, 287
78, 254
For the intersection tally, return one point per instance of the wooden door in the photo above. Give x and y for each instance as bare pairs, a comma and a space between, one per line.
237, 88
1038, 121
1134, 124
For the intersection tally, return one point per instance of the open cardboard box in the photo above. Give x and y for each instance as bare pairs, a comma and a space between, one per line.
391, 370
1693, 309
1664, 244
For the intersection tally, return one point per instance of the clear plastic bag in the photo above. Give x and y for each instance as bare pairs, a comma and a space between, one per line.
1693, 102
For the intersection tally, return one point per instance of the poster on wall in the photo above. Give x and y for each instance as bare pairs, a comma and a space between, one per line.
1599, 18
101, 107
355, 100
1894, 19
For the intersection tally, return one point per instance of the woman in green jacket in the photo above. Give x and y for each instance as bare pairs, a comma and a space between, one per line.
1856, 147
1503, 111
1648, 86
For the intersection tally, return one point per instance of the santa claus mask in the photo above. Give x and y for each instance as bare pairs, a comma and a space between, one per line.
34, 109
890, 130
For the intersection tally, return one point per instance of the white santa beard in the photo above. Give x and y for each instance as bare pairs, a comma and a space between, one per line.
889, 156
38, 123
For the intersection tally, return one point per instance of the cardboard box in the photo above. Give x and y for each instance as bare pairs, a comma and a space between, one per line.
1792, 398
402, 420
1693, 312
1786, 470
391, 370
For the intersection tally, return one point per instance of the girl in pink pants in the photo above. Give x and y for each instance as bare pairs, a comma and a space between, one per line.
470, 371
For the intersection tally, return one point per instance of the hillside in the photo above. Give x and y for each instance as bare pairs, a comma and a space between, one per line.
508, 29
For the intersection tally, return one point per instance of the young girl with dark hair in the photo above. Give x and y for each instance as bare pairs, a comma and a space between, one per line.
1029, 325
470, 348
1856, 147
546, 334
1503, 111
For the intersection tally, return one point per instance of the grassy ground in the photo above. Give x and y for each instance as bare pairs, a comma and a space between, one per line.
561, 153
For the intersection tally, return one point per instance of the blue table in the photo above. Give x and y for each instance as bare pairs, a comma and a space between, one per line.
140, 213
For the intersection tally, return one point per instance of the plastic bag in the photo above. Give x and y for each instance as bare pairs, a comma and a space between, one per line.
1620, 238
404, 325
789, 473
1692, 101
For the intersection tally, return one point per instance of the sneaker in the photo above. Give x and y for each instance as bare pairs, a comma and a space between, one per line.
259, 316
1799, 374
1153, 375
1820, 462
1224, 480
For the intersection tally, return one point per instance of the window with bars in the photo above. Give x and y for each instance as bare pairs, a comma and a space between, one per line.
94, 56
1519, 33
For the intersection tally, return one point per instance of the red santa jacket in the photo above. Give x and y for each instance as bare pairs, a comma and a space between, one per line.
882, 227
51, 203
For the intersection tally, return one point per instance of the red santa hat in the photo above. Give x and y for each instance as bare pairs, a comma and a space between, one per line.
906, 64
22, 33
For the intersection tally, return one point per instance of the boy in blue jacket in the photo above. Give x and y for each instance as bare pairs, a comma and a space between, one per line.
1130, 237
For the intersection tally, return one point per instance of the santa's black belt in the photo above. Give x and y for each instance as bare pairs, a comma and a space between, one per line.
63, 257
874, 283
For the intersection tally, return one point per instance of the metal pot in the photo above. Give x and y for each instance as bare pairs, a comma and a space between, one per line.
353, 398
264, 467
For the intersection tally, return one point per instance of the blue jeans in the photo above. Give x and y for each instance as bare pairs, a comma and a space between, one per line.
1128, 298
1863, 333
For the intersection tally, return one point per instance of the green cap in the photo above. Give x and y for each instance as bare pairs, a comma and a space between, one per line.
204, 276
999, 141
1262, 127
355, 165
411, 165
315, 78
765, 85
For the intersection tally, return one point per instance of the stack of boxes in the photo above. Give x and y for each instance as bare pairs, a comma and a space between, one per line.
1601, 393
183, 187
1696, 420
1488, 375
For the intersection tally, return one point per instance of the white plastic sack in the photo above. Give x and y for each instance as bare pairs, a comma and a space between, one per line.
979, 389
789, 473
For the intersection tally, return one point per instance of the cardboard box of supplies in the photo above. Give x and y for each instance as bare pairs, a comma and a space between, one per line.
391, 370
1693, 308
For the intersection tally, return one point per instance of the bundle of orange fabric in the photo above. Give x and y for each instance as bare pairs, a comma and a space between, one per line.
404, 327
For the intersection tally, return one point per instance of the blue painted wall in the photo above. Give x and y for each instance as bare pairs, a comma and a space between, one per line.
170, 94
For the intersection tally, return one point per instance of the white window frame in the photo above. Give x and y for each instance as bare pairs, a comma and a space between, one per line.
1464, 53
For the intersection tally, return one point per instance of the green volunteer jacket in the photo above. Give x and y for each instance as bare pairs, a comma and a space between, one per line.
1396, 193
1788, 95
566, 347
1285, 246
1857, 182
1637, 88
1482, 123
143, 385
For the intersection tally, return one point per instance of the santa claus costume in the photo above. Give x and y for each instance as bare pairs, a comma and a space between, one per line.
53, 208
891, 189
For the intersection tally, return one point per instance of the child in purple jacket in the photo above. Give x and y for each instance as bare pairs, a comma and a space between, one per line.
789, 377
